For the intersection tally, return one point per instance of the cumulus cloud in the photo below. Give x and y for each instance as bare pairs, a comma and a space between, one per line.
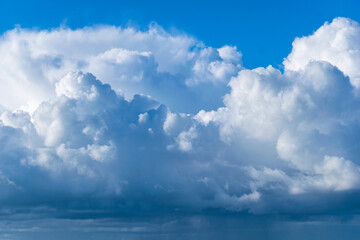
336, 42
151, 62
215, 65
308, 123
276, 136
90, 140
309, 114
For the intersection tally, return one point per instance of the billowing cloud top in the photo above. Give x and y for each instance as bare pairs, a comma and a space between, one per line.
152, 62
112, 118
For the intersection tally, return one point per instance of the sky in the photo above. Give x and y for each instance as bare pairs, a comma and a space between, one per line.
240, 23
169, 120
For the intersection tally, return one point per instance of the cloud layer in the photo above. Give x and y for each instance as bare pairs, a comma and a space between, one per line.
200, 133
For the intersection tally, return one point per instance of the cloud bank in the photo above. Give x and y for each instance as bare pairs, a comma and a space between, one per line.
111, 118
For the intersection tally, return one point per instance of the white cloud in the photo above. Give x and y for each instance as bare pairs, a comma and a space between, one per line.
337, 42
152, 62
184, 139
276, 136
215, 65
308, 116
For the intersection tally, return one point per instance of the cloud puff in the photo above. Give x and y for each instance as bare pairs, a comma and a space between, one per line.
91, 141
150, 62
336, 42
278, 141
308, 116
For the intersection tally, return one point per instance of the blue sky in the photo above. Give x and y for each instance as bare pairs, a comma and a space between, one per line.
179, 120
262, 30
